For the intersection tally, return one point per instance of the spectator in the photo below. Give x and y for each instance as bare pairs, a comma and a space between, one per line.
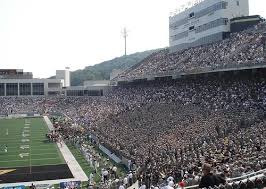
208, 179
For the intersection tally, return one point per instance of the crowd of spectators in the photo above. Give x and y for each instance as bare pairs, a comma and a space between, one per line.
174, 127
240, 49
169, 128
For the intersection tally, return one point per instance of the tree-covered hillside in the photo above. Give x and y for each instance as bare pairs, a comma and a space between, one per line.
102, 71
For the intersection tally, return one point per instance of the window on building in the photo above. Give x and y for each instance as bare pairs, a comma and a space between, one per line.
2, 89
191, 15
191, 28
179, 36
12, 89
211, 9
24, 89
237, 3
213, 24
225, 21
38, 89
178, 23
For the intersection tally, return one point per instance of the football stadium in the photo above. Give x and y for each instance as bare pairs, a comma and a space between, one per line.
188, 116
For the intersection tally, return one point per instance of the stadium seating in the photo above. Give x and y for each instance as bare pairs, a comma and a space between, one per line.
240, 49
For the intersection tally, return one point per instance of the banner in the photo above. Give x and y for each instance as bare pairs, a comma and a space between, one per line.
17, 115
42, 186
70, 184
15, 187
110, 154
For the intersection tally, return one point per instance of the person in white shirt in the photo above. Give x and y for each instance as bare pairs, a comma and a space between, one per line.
96, 165
105, 175
170, 185
130, 178
91, 179
125, 181
114, 169
170, 179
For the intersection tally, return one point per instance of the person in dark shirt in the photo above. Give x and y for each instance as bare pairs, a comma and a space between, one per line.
222, 177
32, 186
208, 179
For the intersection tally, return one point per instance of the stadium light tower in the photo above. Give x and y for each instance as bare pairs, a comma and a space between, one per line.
125, 34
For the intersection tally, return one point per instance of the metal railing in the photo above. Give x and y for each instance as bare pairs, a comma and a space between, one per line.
247, 176
251, 176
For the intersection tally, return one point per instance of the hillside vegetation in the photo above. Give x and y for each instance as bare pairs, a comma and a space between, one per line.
102, 70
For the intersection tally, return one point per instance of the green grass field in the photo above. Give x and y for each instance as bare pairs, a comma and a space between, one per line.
26, 144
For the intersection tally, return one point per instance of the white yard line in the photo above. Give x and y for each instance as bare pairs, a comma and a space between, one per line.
15, 140
28, 160
39, 146
32, 154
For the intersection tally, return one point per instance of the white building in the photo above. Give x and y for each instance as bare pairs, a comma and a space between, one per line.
205, 22
15, 82
64, 75
30, 87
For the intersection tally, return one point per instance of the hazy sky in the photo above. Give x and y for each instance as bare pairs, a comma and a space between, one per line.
41, 36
